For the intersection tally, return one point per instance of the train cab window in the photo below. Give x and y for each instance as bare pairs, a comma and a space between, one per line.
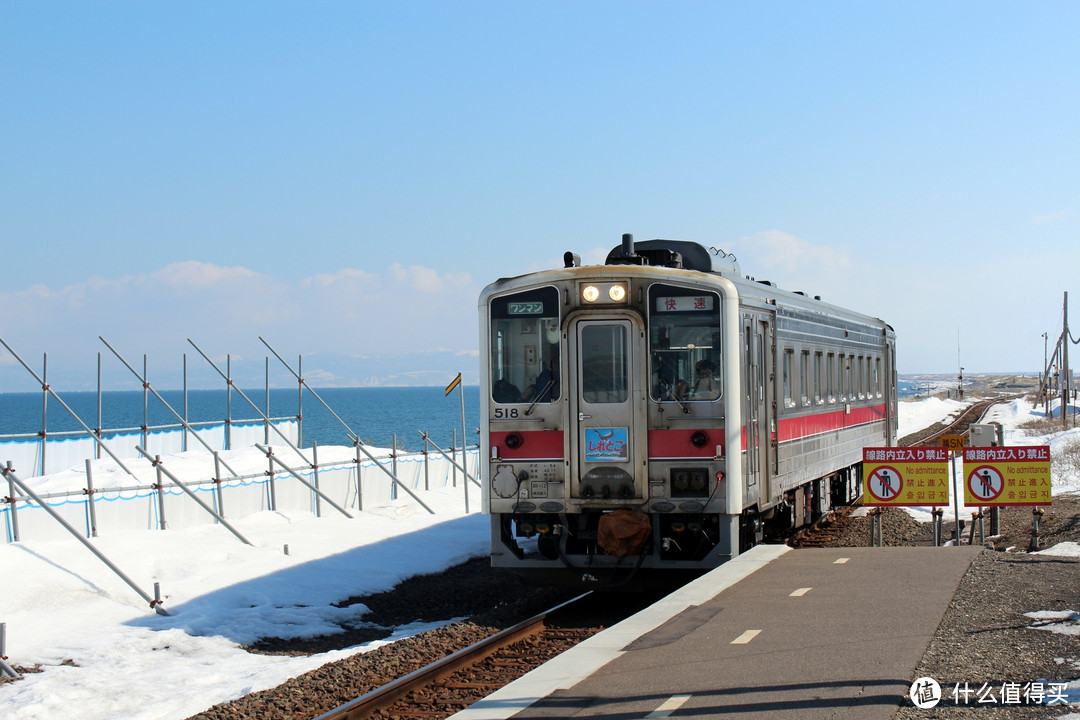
525, 347
684, 344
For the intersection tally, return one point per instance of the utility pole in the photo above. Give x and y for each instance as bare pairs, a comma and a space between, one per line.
1044, 381
960, 375
1066, 379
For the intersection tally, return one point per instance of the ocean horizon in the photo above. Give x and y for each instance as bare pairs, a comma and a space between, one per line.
375, 414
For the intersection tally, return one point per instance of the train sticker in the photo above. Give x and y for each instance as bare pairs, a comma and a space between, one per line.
606, 445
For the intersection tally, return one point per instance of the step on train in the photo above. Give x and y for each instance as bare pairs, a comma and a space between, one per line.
659, 414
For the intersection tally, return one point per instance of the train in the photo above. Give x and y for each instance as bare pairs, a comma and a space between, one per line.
657, 415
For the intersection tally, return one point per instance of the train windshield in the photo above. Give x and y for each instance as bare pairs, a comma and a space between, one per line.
684, 343
525, 341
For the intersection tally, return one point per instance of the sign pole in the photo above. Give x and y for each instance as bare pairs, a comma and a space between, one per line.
956, 499
464, 438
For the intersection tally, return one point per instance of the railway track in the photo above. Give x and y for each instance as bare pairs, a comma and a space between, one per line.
453, 683
832, 527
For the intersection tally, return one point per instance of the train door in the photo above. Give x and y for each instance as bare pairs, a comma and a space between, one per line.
606, 445
758, 394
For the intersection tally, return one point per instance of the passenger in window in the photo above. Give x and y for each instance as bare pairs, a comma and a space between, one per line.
706, 386
504, 391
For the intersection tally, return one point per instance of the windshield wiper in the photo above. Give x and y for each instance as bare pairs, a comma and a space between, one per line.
550, 384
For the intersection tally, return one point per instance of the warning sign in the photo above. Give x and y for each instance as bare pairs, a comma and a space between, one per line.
1007, 476
906, 476
884, 483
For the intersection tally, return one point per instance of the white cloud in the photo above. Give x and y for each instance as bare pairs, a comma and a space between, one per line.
779, 251
226, 309
191, 273
345, 276
1046, 218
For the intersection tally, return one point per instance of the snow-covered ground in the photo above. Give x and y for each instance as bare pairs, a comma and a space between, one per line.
102, 650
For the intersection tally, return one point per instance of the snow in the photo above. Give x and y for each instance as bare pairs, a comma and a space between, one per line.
103, 651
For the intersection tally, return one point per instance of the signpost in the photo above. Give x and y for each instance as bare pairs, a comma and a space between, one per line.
903, 477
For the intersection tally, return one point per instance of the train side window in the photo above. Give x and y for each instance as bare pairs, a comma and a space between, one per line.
804, 376
789, 361
877, 376
684, 344
860, 376
818, 370
525, 347
830, 377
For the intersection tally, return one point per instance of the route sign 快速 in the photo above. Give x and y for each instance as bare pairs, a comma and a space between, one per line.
1007, 476
905, 476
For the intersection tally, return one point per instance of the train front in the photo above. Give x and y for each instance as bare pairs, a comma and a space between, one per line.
609, 398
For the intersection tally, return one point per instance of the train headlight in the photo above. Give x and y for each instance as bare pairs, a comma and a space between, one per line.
615, 292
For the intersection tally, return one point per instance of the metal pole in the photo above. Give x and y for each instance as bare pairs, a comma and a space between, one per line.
300, 401
97, 449
352, 436
45, 387
185, 488
253, 405
266, 427
393, 477
160, 493
270, 474
393, 465
90, 500
315, 470
274, 459
217, 484
453, 456
183, 420
956, 498
425, 452
156, 606
145, 404
464, 442
44, 407
359, 480
445, 455
12, 500
228, 401
5, 669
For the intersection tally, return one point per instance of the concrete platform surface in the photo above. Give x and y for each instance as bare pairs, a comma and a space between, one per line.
822, 633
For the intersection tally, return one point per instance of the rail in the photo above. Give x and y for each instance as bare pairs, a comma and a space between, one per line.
365, 705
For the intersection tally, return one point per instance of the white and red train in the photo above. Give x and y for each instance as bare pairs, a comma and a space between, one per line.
662, 412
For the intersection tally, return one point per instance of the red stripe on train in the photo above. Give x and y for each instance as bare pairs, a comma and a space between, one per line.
535, 445
797, 428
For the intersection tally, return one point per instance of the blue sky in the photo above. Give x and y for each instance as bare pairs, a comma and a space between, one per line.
342, 178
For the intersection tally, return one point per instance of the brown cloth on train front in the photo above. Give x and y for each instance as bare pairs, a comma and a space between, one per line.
623, 532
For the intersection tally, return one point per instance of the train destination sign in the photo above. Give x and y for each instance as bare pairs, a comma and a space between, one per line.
1007, 476
905, 476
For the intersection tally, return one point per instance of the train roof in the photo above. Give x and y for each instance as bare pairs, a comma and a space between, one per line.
687, 255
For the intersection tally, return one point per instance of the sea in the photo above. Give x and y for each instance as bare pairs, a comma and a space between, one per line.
376, 415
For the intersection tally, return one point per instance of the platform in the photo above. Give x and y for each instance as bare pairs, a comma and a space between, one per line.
813, 633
